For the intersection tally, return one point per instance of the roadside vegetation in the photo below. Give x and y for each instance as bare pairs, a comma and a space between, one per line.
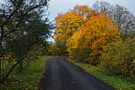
119, 82
24, 33
29, 79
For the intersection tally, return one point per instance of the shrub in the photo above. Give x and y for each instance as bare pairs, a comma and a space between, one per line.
120, 58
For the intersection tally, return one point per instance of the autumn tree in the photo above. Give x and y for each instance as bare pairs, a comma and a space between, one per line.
68, 23
92, 37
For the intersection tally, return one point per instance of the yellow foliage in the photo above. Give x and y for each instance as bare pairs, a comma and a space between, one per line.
68, 23
8, 56
84, 29
95, 34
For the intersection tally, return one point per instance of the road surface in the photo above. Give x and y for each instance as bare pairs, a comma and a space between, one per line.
63, 75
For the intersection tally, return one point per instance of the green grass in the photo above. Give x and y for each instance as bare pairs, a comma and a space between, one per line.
118, 82
28, 80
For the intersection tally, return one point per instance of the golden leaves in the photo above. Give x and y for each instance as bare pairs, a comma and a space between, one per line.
69, 22
66, 25
7, 55
95, 34
84, 29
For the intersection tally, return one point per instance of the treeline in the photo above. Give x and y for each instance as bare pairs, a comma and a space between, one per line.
24, 30
103, 35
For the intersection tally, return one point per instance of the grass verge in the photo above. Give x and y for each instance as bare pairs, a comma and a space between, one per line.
116, 81
30, 77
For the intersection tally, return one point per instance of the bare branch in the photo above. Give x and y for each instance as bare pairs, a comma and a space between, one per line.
12, 14
35, 8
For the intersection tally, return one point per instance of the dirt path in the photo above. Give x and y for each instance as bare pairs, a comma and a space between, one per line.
63, 75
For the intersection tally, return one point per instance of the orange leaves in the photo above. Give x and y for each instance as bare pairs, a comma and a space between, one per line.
7, 55
69, 22
66, 25
86, 32
95, 34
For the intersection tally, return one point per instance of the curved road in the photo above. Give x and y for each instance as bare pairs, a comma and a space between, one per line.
63, 75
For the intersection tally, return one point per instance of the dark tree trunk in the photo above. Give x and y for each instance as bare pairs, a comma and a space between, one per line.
21, 67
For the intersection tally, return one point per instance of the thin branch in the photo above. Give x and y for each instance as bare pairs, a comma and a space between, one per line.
35, 8
12, 14
16, 6
3, 36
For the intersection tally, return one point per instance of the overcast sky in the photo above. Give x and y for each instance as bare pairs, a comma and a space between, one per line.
58, 6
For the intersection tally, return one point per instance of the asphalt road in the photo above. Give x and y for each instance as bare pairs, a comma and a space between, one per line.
63, 75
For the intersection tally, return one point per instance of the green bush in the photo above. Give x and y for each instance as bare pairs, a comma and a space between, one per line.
79, 54
120, 58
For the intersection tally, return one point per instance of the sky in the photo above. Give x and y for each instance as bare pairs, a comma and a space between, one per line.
58, 6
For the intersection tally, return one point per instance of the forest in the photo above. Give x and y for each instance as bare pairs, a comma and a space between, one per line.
102, 36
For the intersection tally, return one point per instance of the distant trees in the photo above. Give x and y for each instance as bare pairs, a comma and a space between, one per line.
119, 15
22, 25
